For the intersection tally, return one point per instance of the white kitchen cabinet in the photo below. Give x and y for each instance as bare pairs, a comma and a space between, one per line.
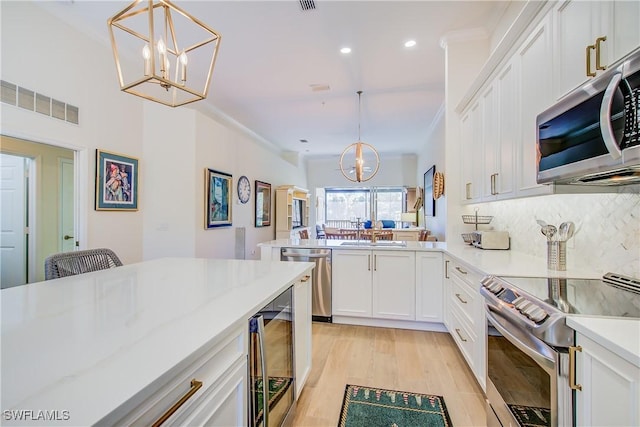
224, 405
465, 316
489, 141
589, 37
351, 287
502, 177
624, 27
394, 285
374, 284
212, 389
429, 305
610, 387
577, 25
302, 331
534, 95
471, 154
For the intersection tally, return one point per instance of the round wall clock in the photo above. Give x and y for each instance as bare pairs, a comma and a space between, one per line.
244, 189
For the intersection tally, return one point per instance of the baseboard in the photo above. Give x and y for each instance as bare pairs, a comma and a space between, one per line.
387, 323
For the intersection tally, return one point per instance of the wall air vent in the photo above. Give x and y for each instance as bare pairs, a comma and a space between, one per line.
43, 104
307, 4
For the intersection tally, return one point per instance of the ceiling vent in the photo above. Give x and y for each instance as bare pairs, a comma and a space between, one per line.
307, 4
319, 87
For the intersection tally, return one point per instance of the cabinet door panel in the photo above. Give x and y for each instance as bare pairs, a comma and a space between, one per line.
626, 28
574, 32
535, 96
352, 283
490, 142
429, 302
394, 285
302, 331
610, 387
508, 106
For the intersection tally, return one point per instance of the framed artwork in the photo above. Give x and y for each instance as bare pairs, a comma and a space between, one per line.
263, 204
218, 207
116, 182
429, 201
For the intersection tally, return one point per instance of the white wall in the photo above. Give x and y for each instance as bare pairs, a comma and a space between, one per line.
174, 146
36, 55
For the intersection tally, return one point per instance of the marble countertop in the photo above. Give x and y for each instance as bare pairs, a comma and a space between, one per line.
496, 262
88, 343
621, 336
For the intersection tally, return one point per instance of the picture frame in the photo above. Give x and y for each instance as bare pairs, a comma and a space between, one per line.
263, 204
218, 208
429, 202
116, 182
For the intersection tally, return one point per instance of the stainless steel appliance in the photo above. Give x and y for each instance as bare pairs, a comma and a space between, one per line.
490, 239
592, 136
528, 341
271, 374
321, 278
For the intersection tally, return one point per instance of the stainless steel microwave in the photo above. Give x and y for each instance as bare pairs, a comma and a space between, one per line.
592, 136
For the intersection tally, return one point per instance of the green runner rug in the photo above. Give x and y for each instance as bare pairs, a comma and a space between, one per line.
377, 407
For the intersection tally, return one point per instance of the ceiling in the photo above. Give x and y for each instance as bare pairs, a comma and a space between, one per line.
273, 52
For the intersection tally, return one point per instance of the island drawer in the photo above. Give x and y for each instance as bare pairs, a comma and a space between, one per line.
196, 375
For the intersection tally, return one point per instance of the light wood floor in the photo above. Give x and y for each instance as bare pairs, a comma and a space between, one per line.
422, 362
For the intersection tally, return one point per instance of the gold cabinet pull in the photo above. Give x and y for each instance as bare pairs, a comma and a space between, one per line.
572, 368
369, 262
468, 190
589, 72
460, 298
375, 262
195, 386
446, 269
460, 335
599, 65
305, 278
461, 270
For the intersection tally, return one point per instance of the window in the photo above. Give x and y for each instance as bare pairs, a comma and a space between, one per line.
347, 204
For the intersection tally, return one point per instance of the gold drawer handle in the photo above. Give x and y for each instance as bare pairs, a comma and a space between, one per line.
461, 300
195, 386
572, 368
599, 40
461, 270
305, 279
460, 335
588, 53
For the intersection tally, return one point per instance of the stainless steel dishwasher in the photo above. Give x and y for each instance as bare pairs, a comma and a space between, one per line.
321, 283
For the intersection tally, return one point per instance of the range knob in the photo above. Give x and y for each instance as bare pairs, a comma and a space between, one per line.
494, 287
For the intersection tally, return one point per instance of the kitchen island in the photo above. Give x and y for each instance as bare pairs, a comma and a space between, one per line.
94, 348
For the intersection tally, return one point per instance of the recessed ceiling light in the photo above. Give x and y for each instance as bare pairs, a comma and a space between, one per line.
345, 50
410, 43
304, 141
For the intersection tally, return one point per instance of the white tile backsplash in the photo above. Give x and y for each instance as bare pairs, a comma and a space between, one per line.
608, 227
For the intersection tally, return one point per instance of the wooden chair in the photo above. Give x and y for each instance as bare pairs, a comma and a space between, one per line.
304, 234
78, 262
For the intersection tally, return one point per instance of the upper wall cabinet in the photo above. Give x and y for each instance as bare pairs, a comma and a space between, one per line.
534, 94
589, 37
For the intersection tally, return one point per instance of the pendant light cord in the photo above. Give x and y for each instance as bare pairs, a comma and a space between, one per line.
359, 112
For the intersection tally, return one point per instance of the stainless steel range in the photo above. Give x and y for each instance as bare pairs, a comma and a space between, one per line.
528, 341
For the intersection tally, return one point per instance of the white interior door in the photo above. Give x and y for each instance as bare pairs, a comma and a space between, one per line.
13, 244
66, 238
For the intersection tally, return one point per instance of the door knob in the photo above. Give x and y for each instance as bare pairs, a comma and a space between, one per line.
67, 237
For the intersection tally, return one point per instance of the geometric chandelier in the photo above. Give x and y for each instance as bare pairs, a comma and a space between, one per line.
162, 53
359, 162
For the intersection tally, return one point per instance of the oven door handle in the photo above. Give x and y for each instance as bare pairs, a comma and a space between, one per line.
517, 338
